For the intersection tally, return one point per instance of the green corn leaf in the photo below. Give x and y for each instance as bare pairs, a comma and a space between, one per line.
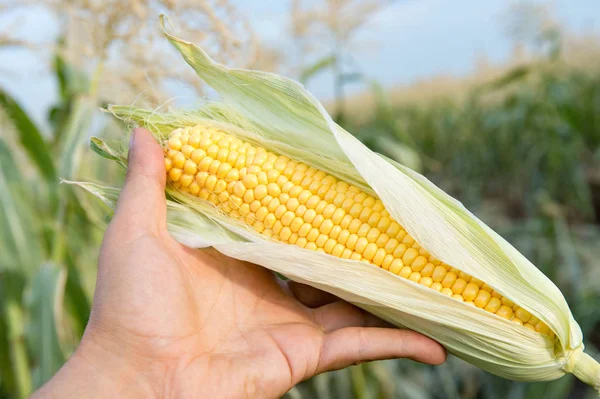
77, 128
16, 224
76, 299
317, 67
513, 76
30, 136
44, 304
100, 147
61, 70
14, 368
9, 167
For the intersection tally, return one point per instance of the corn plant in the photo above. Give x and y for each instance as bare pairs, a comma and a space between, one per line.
49, 242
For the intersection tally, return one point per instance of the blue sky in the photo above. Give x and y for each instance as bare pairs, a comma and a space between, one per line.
407, 41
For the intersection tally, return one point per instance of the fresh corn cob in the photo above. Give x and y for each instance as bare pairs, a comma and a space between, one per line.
296, 204
284, 195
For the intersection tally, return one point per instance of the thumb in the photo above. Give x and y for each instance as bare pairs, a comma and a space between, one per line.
141, 207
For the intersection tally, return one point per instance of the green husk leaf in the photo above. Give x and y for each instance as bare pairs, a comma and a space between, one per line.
187, 226
100, 147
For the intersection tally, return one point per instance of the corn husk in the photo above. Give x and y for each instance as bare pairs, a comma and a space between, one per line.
280, 115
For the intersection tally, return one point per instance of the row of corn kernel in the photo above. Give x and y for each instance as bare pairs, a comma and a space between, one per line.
217, 180
359, 205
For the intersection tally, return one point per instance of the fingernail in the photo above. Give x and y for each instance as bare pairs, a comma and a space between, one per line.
132, 138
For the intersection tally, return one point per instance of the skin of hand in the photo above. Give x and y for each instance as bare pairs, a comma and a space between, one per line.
170, 321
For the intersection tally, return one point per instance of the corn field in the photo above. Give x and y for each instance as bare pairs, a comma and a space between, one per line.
521, 150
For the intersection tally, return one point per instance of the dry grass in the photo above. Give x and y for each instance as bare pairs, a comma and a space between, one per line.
331, 21
328, 28
119, 43
581, 52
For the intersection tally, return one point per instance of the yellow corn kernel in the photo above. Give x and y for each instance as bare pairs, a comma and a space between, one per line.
507, 302
436, 286
379, 256
493, 305
458, 297
470, 291
459, 286
369, 252
405, 272
175, 174
427, 271
186, 180
355, 256
464, 276
329, 245
419, 263
409, 256
505, 312
250, 181
482, 299
438, 274
542, 328
399, 251
174, 143
361, 244
396, 266
426, 281
321, 240
387, 261
449, 280
522, 315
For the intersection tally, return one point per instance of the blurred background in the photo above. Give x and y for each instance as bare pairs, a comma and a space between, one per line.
497, 102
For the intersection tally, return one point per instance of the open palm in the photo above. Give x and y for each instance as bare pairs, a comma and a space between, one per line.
195, 323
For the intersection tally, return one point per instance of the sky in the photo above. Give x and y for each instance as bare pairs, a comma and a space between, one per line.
407, 41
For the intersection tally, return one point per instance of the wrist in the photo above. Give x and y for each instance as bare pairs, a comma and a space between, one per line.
96, 371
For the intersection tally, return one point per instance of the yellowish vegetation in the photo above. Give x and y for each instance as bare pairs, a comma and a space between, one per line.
580, 52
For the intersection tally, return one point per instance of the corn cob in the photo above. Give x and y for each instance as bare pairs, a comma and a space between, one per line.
293, 203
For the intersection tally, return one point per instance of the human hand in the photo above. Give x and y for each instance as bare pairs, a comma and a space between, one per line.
168, 320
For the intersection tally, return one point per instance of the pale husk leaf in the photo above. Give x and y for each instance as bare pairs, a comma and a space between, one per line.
186, 225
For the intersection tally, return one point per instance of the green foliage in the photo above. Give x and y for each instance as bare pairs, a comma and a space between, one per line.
29, 135
49, 244
527, 138
15, 379
319, 66
44, 306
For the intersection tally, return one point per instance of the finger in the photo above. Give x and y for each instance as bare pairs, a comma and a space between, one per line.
354, 345
310, 296
142, 206
342, 314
